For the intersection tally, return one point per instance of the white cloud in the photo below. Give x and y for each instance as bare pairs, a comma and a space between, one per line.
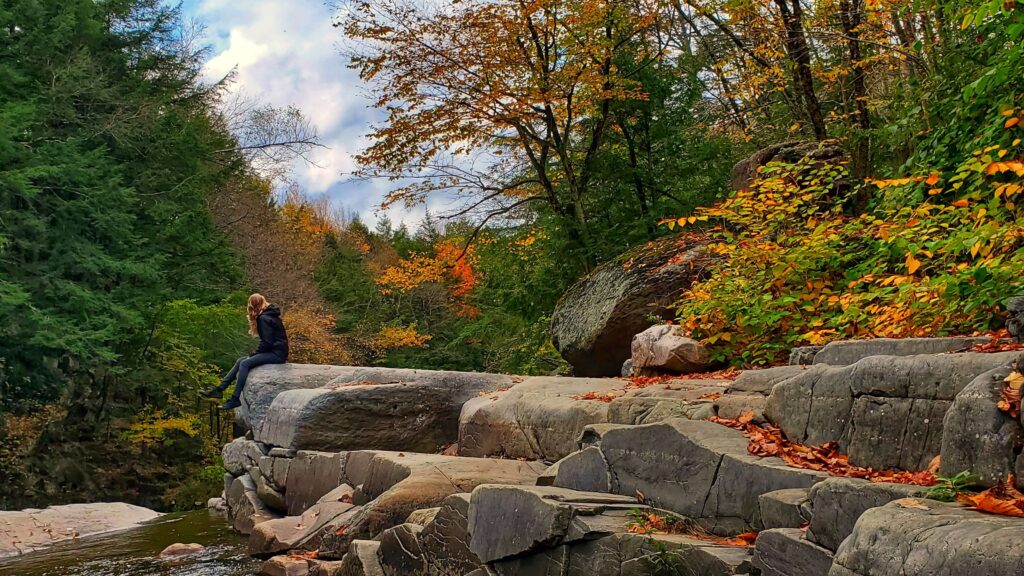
285, 54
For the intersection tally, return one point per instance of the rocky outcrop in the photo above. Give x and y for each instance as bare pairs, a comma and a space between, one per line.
979, 437
375, 408
266, 382
883, 411
520, 531
595, 321
722, 480
845, 352
838, 503
786, 552
931, 538
542, 418
34, 529
661, 350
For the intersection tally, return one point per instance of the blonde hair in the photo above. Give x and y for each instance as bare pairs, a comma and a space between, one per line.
257, 304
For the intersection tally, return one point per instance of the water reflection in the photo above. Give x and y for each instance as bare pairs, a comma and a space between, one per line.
133, 552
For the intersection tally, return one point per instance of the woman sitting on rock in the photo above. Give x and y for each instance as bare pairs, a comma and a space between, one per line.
265, 322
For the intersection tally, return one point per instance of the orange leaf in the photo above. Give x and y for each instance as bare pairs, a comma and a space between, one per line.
932, 179
961, 203
1011, 122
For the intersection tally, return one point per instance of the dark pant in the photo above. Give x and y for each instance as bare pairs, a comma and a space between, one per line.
241, 370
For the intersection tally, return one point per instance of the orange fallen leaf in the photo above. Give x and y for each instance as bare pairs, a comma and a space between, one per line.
911, 503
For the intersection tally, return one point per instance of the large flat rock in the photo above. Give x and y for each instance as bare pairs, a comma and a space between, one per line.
884, 411
375, 408
541, 418
844, 352
944, 540
266, 382
34, 529
697, 469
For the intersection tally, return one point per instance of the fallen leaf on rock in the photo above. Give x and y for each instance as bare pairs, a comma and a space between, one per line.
599, 396
911, 503
1003, 499
345, 499
1010, 394
768, 440
341, 530
935, 463
712, 396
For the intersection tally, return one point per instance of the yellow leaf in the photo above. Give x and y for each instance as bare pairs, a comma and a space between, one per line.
935, 191
1015, 380
912, 263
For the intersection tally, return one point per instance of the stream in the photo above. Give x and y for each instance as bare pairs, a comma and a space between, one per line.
133, 552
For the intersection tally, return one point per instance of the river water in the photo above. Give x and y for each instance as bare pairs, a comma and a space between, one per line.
134, 552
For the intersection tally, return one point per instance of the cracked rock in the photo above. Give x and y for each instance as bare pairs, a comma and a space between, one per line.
785, 552
838, 503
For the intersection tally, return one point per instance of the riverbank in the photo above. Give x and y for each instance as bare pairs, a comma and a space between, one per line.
134, 552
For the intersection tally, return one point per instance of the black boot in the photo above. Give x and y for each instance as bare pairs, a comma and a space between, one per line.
231, 404
215, 393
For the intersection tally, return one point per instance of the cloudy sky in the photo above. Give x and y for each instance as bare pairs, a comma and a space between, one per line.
286, 53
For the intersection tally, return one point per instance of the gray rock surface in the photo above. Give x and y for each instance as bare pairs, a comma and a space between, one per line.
540, 418
245, 509
785, 552
838, 503
445, 540
595, 321
844, 352
303, 532
629, 555
266, 382
391, 485
884, 411
31, 529
311, 475
508, 521
697, 469
376, 408
584, 470
788, 508
241, 454
362, 559
979, 437
946, 540
803, 355
400, 552
661, 350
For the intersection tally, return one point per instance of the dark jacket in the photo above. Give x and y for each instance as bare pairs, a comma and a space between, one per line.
273, 338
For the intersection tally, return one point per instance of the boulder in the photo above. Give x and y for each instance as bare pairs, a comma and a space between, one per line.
584, 470
245, 509
267, 381
376, 408
298, 532
844, 352
542, 418
745, 171
595, 321
445, 540
979, 437
394, 484
788, 508
31, 529
941, 540
311, 475
883, 411
423, 516
362, 559
697, 469
749, 392
267, 494
509, 521
661, 350
803, 355
400, 553
241, 454
785, 552
177, 550
838, 503
284, 566
1015, 316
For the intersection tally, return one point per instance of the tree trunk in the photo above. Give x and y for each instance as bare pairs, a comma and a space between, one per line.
799, 52
851, 15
